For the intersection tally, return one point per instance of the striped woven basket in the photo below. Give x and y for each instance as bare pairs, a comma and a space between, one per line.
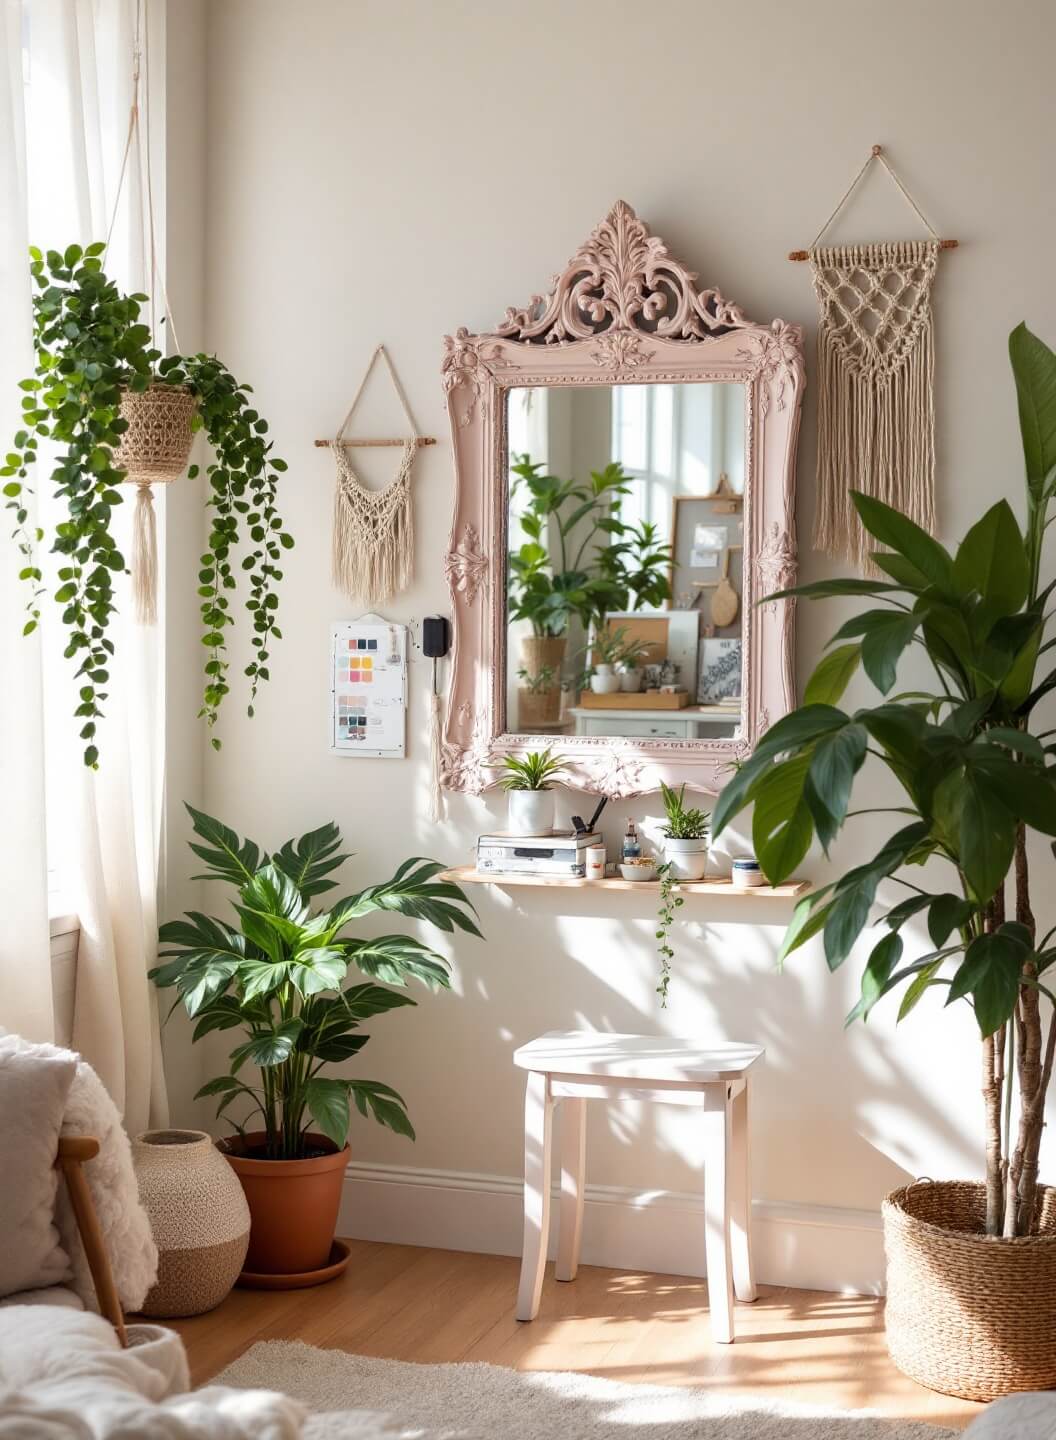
157, 444
969, 1314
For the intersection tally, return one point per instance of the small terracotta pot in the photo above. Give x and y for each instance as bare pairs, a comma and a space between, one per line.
293, 1204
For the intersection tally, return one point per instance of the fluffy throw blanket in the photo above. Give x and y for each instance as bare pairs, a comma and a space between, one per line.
64, 1376
112, 1180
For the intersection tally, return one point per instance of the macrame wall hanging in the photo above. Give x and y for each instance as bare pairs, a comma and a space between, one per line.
876, 368
373, 539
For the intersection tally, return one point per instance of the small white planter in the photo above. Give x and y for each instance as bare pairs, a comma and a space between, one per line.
688, 858
604, 681
531, 812
631, 681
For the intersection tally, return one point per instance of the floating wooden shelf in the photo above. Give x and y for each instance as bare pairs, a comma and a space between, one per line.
469, 875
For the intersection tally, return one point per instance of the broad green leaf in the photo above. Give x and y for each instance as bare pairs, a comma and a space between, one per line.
219, 1086
799, 728
900, 534
782, 827
836, 760
826, 826
739, 790
228, 857
826, 589
948, 912
900, 569
1034, 369
319, 968
271, 892
883, 958
832, 675
986, 841
395, 959
1025, 790
335, 1049
328, 1105
381, 1101
992, 561
270, 1048
413, 891
915, 992
310, 859
362, 1001
808, 917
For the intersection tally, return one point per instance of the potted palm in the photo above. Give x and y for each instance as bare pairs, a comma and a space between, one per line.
685, 836
279, 977
971, 1304
118, 411
527, 780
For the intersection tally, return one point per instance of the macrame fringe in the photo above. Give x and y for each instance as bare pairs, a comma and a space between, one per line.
435, 792
145, 558
373, 532
876, 416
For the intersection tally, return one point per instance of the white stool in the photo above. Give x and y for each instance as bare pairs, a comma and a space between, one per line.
571, 1067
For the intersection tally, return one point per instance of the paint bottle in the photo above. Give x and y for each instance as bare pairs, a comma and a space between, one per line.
632, 847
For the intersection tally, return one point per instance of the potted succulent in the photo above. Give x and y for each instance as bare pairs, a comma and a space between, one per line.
685, 836
538, 697
527, 780
279, 977
118, 410
971, 1306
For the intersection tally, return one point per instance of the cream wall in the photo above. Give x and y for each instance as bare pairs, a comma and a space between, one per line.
391, 170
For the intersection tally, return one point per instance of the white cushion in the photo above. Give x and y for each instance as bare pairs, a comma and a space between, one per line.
33, 1090
1016, 1417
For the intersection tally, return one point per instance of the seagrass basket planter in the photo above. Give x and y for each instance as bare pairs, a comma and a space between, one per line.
156, 446
969, 1314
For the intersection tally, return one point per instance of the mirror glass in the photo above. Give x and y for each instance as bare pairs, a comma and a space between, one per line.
625, 564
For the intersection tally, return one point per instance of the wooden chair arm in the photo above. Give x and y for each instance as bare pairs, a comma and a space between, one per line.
72, 1151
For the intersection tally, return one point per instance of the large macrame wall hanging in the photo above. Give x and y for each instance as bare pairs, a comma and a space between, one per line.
373, 539
876, 368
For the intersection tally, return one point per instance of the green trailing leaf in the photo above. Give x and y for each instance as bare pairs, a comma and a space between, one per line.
883, 958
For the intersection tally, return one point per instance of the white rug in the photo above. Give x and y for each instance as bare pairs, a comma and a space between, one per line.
362, 1398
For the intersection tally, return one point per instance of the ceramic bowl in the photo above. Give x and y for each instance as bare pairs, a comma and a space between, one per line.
638, 872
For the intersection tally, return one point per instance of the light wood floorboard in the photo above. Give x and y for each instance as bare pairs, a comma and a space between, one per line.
405, 1303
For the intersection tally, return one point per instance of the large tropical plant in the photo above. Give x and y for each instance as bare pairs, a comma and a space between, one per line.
92, 346
974, 775
279, 976
580, 559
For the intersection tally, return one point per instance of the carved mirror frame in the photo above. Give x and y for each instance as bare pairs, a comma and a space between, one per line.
623, 312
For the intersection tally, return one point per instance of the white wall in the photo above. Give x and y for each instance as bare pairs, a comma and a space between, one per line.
388, 170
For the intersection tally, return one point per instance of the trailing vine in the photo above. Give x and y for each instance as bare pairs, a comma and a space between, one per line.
90, 346
665, 918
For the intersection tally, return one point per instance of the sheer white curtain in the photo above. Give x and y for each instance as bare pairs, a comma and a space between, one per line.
103, 827
25, 973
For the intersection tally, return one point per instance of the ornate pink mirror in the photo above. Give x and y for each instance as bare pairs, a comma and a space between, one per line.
625, 468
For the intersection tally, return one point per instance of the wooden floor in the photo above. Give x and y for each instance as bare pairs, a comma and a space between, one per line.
407, 1303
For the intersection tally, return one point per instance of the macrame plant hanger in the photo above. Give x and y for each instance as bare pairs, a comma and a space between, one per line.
876, 369
155, 447
373, 539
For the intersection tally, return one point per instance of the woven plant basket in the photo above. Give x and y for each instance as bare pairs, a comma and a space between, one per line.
969, 1314
539, 707
157, 444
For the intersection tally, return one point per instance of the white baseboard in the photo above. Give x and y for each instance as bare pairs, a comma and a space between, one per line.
811, 1247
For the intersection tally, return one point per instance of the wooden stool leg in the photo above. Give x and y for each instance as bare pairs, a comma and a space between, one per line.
716, 1117
538, 1117
573, 1176
741, 1197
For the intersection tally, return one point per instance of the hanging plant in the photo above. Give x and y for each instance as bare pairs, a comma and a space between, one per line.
96, 365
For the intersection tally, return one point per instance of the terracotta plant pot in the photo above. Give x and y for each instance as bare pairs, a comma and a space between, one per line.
969, 1314
293, 1204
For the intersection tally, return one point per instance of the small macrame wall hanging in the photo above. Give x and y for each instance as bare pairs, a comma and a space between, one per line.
876, 369
373, 539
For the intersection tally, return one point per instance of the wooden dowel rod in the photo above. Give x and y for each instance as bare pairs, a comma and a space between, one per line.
358, 444
805, 254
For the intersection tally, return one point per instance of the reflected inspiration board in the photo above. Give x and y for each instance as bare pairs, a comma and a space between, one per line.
625, 565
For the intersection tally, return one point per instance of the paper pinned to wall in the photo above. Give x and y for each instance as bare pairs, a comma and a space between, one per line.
368, 688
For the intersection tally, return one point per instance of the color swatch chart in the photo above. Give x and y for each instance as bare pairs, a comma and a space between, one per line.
368, 688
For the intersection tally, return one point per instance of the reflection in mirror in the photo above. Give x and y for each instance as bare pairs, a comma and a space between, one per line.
626, 562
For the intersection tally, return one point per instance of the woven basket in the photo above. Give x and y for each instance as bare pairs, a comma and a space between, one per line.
157, 444
969, 1314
